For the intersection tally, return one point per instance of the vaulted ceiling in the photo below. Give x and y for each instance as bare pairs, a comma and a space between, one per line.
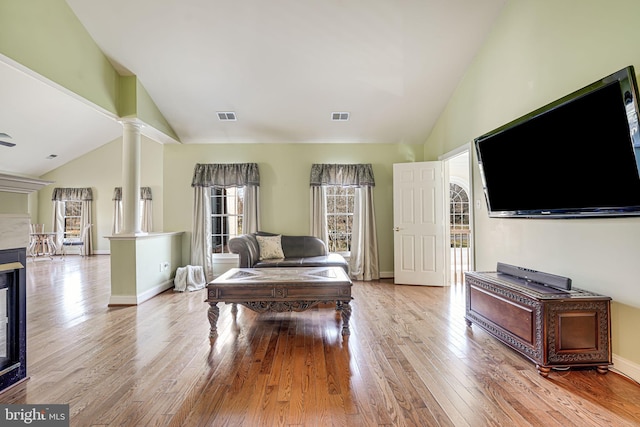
283, 67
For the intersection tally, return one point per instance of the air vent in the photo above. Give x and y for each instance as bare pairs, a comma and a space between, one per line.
227, 116
6, 143
340, 116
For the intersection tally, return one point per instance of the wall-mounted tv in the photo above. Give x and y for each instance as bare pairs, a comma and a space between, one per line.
576, 157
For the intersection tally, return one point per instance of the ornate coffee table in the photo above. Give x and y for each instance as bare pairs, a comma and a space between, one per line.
280, 289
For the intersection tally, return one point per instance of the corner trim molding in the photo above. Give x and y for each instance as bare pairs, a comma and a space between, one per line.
128, 300
626, 367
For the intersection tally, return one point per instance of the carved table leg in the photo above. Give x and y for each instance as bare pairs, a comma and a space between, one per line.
468, 322
543, 370
213, 314
346, 315
603, 369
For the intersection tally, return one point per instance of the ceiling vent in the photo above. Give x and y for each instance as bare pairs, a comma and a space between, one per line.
6, 143
340, 116
227, 116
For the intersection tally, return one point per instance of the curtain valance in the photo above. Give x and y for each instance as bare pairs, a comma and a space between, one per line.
145, 193
224, 175
349, 175
71, 194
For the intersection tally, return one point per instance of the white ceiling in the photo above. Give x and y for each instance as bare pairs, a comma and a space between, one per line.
41, 120
282, 65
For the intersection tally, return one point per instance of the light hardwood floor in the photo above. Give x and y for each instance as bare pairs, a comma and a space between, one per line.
410, 360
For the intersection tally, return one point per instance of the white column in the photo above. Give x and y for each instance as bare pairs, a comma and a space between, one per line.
131, 177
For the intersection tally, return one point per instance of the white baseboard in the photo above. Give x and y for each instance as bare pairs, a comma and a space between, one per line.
386, 274
626, 368
101, 252
139, 299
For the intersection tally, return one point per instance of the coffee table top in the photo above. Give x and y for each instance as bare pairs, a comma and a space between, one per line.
301, 275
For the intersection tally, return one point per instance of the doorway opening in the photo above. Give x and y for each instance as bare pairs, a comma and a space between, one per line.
459, 183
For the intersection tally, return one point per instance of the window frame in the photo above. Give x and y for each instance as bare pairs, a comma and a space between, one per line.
226, 203
347, 213
459, 208
73, 232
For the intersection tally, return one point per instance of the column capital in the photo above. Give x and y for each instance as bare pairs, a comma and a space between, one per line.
131, 123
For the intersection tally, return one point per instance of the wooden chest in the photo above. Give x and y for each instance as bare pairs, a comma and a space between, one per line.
551, 327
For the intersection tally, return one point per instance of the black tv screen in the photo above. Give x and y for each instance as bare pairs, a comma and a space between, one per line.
576, 157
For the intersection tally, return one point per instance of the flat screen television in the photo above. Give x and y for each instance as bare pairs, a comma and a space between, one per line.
576, 157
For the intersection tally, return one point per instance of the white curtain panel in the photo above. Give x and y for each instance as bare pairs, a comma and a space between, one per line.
146, 215
201, 249
318, 210
58, 223
117, 217
85, 220
251, 219
363, 262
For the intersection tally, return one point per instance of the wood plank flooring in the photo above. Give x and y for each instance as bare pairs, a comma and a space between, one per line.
410, 361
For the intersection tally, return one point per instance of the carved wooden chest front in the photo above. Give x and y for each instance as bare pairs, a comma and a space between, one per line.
551, 327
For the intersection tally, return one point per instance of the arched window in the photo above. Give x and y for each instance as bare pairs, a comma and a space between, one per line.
459, 207
459, 223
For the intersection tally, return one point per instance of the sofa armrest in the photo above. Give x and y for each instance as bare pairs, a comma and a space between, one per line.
246, 246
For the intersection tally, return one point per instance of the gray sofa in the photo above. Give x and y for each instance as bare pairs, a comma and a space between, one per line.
299, 251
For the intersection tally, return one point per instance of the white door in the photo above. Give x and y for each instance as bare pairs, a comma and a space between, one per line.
419, 224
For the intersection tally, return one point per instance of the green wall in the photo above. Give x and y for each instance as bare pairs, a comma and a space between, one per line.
537, 52
46, 37
284, 182
136, 272
13, 203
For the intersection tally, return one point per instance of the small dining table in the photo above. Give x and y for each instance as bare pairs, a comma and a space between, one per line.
42, 244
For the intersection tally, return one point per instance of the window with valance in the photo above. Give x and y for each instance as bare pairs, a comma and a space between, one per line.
72, 212
226, 204
342, 214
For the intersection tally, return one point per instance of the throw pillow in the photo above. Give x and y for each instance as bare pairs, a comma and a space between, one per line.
270, 247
